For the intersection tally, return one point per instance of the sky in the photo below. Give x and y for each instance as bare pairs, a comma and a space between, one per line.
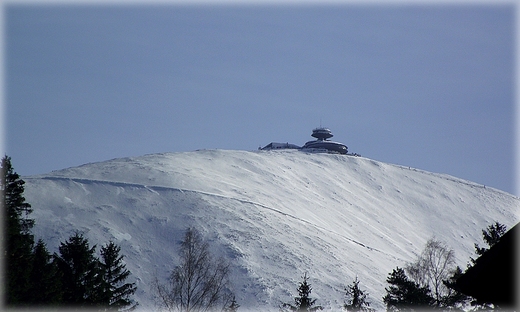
420, 85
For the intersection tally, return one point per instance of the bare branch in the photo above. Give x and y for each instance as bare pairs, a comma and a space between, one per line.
198, 283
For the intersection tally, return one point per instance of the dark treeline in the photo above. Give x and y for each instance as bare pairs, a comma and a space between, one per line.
73, 278
78, 276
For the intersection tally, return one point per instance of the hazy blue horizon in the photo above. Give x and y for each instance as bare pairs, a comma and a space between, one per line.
425, 86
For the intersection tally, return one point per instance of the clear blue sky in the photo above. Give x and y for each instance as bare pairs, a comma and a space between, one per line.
426, 86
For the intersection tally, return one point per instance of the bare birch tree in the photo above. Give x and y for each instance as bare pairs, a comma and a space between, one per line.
199, 283
435, 264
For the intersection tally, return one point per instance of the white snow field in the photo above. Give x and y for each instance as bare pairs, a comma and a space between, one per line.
274, 214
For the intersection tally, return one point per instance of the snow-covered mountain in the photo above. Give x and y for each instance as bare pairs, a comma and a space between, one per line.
274, 214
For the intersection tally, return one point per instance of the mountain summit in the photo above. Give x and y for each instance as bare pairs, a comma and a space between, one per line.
275, 214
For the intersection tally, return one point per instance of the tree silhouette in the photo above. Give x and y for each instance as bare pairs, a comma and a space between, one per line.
491, 236
303, 302
45, 283
404, 294
18, 240
114, 292
435, 265
198, 283
454, 299
357, 299
81, 279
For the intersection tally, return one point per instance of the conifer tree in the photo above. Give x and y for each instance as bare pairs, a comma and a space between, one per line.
491, 236
454, 299
81, 279
404, 294
303, 302
18, 240
114, 292
45, 284
12, 187
357, 299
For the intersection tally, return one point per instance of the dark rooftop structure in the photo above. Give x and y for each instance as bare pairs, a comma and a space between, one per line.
321, 144
274, 145
322, 134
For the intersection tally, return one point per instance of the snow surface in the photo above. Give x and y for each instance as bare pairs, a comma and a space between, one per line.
274, 214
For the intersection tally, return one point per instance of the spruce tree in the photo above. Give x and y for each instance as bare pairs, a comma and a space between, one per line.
303, 302
80, 272
491, 236
12, 190
357, 299
18, 240
404, 294
114, 292
45, 281
454, 299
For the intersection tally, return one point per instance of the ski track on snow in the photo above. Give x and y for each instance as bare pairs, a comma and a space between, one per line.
153, 188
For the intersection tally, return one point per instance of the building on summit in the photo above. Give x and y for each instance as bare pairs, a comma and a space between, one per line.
274, 146
321, 144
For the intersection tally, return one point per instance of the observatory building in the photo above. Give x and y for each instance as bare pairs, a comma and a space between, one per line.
321, 144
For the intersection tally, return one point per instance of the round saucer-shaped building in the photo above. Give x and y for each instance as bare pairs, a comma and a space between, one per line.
322, 144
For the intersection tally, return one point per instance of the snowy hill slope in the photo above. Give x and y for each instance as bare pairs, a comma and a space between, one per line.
275, 214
